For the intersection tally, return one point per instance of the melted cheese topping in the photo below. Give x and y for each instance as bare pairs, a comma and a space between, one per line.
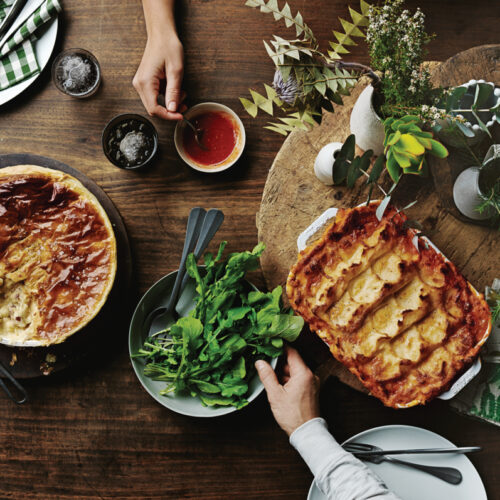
405, 322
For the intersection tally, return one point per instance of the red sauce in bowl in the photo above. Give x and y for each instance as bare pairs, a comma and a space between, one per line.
219, 137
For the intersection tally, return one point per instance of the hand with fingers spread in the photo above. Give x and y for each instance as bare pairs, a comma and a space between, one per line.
296, 401
163, 60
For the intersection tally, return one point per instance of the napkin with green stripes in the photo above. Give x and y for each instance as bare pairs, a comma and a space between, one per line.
17, 55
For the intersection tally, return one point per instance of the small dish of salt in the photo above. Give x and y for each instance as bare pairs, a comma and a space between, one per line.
130, 141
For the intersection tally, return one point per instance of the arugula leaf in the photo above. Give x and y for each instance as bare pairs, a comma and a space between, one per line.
286, 327
211, 352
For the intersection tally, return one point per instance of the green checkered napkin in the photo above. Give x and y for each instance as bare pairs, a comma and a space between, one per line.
17, 55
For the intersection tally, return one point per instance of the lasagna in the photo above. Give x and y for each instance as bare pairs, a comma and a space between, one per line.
401, 318
57, 256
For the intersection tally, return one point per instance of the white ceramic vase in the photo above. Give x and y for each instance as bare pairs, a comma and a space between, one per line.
366, 125
466, 192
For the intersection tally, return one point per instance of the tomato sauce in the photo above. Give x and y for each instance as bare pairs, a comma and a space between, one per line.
219, 137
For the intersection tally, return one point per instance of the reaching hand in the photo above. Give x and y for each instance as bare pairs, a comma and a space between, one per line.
163, 59
297, 400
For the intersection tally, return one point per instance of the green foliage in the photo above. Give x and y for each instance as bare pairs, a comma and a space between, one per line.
354, 29
452, 109
348, 168
271, 6
406, 145
490, 203
307, 80
396, 41
493, 299
211, 352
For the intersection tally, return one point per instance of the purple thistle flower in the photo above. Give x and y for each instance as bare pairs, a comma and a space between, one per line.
287, 91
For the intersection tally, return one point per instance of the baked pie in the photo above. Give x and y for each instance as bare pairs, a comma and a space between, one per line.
57, 256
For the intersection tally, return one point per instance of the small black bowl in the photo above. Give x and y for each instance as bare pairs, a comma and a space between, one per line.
115, 132
86, 83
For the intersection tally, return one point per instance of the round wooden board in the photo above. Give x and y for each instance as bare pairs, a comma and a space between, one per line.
30, 362
293, 197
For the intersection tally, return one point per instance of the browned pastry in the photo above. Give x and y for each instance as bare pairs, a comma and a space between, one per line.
57, 256
404, 321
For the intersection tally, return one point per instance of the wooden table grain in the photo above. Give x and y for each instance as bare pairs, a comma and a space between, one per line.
92, 432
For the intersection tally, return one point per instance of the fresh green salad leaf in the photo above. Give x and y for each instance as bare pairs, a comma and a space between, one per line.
211, 352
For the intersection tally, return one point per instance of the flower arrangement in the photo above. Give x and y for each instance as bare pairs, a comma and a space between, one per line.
307, 80
396, 40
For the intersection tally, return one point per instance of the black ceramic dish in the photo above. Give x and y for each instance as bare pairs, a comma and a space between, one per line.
130, 141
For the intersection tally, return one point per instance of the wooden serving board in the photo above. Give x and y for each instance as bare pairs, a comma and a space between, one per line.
293, 197
29, 362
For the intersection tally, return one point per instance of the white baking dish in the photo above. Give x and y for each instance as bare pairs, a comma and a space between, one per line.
325, 218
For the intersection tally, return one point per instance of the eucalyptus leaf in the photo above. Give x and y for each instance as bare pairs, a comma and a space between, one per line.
377, 169
483, 127
483, 92
353, 172
465, 130
379, 213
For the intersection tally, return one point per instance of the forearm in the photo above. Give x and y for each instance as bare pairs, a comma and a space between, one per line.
159, 17
338, 474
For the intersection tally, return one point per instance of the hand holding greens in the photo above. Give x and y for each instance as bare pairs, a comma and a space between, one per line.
211, 352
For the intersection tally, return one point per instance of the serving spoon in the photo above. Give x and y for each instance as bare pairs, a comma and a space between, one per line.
198, 132
163, 316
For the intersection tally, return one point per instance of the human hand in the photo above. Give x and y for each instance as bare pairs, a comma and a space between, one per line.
163, 58
297, 400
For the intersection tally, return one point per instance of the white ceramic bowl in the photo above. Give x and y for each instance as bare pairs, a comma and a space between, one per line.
238, 148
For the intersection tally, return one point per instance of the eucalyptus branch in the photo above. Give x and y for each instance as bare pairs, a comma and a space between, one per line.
366, 174
470, 150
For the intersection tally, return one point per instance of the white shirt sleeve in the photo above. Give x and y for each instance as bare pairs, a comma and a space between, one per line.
338, 474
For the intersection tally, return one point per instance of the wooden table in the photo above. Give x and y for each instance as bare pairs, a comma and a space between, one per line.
92, 432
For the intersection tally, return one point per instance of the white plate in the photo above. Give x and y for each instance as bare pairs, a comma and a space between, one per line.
43, 50
411, 484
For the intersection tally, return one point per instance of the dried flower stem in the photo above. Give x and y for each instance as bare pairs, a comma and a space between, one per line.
365, 70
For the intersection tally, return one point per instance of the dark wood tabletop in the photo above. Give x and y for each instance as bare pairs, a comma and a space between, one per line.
92, 431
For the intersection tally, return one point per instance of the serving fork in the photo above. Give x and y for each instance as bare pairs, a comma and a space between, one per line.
376, 455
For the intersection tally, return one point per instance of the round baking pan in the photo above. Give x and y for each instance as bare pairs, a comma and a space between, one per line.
30, 362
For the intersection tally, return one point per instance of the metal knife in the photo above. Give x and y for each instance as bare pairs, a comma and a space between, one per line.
16, 8
468, 449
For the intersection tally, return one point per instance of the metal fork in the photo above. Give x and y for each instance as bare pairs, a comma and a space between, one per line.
448, 474
9, 379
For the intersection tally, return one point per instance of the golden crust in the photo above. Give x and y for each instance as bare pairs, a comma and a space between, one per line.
57, 255
404, 321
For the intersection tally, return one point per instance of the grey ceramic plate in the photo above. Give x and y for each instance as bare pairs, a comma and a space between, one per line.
184, 404
411, 484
